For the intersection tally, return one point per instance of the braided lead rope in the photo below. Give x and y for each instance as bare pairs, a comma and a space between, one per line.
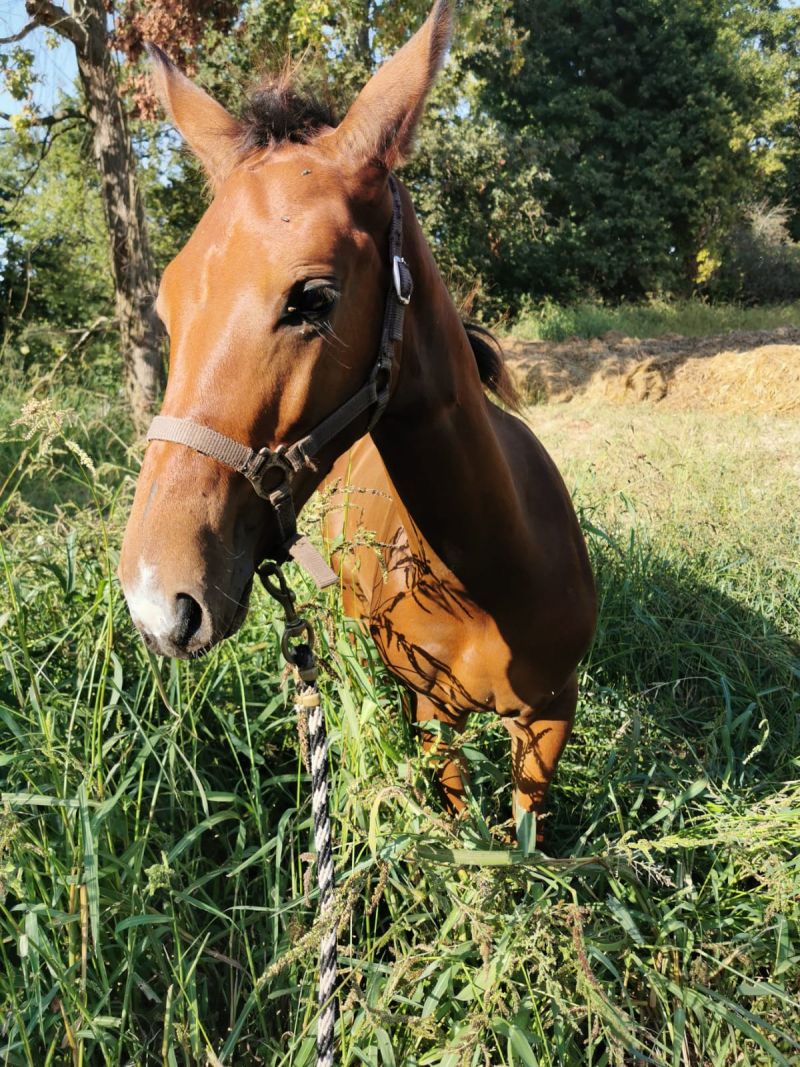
307, 699
308, 706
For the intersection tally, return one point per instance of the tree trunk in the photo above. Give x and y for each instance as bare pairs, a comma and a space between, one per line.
131, 260
362, 46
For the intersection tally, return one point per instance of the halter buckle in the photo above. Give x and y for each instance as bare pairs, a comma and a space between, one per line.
403, 282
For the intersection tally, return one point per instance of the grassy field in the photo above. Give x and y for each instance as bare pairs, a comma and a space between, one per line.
690, 318
155, 820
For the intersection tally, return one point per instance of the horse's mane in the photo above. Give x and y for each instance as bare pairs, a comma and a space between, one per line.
491, 362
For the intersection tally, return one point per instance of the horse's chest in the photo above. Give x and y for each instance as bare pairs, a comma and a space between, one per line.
429, 631
429, 627
439, 643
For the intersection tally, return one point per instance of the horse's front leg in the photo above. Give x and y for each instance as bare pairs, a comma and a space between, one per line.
451, 770
536, 749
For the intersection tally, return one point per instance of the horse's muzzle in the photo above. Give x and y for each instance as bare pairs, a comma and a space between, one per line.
184, 626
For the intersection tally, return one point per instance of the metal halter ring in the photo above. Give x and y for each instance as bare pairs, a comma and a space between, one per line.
274, 581
263, 463
298, 628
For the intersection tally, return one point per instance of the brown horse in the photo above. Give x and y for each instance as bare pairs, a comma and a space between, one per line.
482, 598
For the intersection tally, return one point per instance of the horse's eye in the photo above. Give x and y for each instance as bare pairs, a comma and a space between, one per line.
311, 301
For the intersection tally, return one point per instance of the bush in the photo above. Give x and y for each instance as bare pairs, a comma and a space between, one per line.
760, 263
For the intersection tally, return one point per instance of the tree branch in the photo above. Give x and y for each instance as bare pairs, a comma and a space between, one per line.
48, 120
85, 333
46, 143
44, 13
26, 29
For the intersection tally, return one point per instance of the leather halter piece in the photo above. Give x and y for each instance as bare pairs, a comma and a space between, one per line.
271, 471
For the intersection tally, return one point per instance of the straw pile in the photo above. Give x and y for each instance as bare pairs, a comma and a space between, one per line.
756, 371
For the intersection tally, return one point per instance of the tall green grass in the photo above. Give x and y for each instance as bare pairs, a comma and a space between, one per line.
548, 321
157, 904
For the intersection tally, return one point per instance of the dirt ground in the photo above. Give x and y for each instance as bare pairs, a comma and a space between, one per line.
754, 371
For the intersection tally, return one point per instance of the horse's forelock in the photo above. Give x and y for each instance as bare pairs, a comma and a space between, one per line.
279, 110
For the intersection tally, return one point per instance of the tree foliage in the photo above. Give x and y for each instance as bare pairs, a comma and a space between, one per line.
55, 276
772, 33
643, 115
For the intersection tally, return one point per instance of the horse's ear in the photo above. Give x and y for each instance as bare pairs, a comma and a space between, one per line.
205, 125
380, 125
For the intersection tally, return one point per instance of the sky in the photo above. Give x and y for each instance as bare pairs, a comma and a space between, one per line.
56, 67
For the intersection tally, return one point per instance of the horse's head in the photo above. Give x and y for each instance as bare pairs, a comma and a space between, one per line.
274, 310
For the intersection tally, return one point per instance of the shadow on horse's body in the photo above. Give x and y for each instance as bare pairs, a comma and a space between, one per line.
484, 598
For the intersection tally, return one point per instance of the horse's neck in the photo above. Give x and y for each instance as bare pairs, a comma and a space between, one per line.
437, 438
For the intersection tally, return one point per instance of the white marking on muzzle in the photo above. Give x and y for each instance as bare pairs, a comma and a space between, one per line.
150, 610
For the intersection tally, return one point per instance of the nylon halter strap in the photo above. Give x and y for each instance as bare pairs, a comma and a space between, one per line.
271, 471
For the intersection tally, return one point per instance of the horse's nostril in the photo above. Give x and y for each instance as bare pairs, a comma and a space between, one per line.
188, 619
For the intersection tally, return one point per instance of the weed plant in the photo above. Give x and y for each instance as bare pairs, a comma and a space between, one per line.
157, 902
549, 321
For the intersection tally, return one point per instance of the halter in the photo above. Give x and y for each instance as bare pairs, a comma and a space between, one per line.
287, 461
